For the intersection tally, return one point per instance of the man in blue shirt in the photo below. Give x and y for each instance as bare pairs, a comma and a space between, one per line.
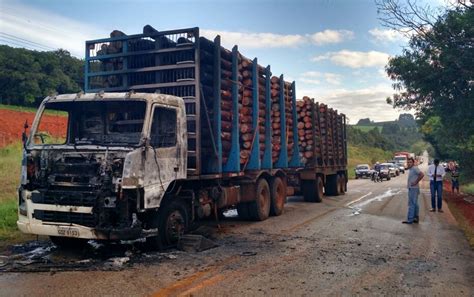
414, 177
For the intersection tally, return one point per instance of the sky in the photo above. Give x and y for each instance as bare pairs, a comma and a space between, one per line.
335, 50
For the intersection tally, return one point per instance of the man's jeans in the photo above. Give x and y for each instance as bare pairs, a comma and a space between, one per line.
436, 187
413, 208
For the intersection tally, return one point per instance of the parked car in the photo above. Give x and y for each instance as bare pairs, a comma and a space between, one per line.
394, 171
385, 171
401, 168
362, 170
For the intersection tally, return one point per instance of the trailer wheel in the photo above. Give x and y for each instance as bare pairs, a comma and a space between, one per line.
341, 184
259, 209
332, 185
68, 242
278, 196
243, 211
172, 222
312, 190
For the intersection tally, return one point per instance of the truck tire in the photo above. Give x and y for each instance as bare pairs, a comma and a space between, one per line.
278, 196
341, 184
172, 221
313, 190
243, 211
332, 185
68, 242
259, 209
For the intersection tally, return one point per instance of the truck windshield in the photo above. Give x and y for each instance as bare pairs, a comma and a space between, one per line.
103, 123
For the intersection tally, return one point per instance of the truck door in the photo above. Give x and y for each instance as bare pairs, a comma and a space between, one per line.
162, 164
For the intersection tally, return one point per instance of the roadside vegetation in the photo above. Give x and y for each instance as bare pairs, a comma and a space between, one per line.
10, 165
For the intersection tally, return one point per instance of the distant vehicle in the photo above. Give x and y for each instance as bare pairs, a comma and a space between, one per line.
394, 171
362, 170
385, 171
402, 157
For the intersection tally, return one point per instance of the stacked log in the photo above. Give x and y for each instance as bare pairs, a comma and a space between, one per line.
261, 108
226, 103
323, 120
288, 92
275, 118
306, 139
246, 124
340, 138
207, 81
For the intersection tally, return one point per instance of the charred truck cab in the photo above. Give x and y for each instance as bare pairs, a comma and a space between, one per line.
121, 153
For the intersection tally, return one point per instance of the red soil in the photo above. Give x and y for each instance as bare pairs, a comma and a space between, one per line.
463, 202
12, 122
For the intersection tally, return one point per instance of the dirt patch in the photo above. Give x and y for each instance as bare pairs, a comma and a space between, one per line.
12, 122
462, 207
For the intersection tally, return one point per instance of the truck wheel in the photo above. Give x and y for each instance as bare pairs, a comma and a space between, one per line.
340, 184
278, 196
243, 211
332, 185
313, 190
68, 242
259, 209
172, 222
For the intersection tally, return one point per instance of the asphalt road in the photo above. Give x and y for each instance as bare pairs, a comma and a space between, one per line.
345, 246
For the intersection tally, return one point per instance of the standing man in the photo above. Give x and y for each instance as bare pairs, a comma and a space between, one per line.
455, 179
436, 174
414, 177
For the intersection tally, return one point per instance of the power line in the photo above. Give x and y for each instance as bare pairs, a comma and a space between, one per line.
9, 42
19, 39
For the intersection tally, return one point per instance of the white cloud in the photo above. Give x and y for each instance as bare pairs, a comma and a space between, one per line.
254, 40
358, 103
354, 59
331, 36
43, 30
273, 40
387, 35
315, 77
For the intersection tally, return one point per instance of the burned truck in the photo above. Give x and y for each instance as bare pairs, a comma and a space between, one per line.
174, 128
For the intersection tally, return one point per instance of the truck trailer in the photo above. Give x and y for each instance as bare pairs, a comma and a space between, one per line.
174, 128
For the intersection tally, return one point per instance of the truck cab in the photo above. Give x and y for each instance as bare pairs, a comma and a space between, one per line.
102, 172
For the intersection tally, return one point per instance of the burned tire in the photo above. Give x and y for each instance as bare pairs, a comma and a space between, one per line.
341, 184
278, 196
172, 222
243, 211
68, 242
259, 209
332, 185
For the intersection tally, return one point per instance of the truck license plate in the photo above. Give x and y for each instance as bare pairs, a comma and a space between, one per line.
69, 232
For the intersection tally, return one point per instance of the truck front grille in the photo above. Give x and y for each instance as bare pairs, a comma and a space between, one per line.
84, 219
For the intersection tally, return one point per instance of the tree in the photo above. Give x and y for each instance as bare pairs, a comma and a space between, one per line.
433, 76
26, 76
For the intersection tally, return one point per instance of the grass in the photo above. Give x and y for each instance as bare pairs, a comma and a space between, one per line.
31, 109
10, 165
365, 155
367, 128
468, 188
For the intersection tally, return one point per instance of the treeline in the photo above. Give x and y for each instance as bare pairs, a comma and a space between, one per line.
400, 135
27, 76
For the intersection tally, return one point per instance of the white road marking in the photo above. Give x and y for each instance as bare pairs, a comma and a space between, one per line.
354, 201
357, 208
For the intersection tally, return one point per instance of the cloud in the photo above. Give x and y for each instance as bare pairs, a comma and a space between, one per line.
387, 35
273, 40
42, 30
357, 103
354, 59
315, 77
331, 36
254, 40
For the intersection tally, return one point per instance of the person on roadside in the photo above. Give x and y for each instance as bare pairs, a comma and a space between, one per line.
455, 179
436, 173
414, 177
